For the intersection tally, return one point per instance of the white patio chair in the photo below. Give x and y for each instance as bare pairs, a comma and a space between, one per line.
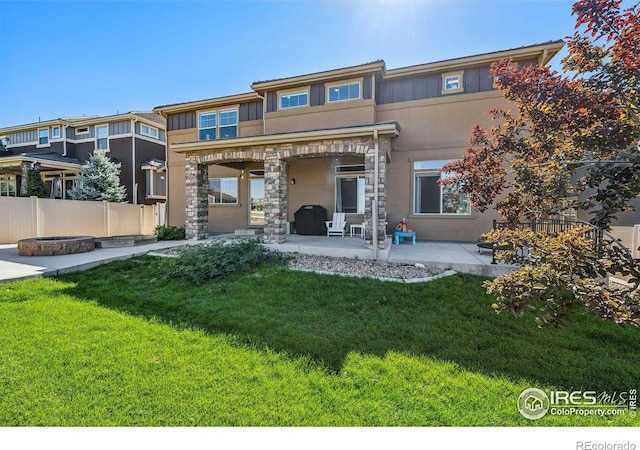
336, 226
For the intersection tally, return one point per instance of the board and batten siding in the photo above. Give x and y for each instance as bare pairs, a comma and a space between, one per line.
182, 121
250, 111
122, 127
421, 87
23, 137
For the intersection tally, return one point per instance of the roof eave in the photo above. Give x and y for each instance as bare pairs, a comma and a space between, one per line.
207, 103
30, 126
319, 76
17, 159
538, 51
384, 129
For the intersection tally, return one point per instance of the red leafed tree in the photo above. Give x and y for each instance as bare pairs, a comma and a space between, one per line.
572, 140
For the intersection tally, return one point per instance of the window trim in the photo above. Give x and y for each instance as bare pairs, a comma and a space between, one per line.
290, 92
217, 126
77, 130
149, 127
150, 172
9, 181
46, 144
107, 138
329, 86
432, 167
53, 133
460, 88
237, 202
357, 175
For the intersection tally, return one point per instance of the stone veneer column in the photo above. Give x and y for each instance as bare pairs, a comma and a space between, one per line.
275, 198
197, 204
370, 176
24, 167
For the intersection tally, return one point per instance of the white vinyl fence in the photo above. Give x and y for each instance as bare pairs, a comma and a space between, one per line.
38, 217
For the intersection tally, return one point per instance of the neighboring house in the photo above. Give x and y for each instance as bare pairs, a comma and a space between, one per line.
364, 140
61, 146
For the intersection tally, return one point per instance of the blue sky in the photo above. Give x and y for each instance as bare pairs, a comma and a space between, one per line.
62, 59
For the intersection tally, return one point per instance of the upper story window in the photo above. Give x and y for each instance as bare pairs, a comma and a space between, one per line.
293, 99
102, 137
345, 91
82, 130
148, 131
207, 126
453, 82
55, 132
222, 124
228, 123
43, 136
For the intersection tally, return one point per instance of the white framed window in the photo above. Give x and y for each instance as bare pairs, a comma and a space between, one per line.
43, 137
293, 99
102, 137
148, 131
207, 126
453, 82
351, 90
156, 183
228, 123
350, 188
222, 124
82, 130
223, 191
429, 198
55, 132
8, 186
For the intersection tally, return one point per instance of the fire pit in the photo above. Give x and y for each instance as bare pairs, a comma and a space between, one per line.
56, 245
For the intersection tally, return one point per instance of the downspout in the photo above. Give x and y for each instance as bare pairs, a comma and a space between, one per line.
543, 56
374, 207
264, 112
134, 166
166, 173
64, 140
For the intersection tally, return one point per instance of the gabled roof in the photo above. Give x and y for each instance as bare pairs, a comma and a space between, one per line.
147, 116
51, 159
207, 103
542, 51
360, 69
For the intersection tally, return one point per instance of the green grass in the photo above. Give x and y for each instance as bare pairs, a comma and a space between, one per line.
121, 345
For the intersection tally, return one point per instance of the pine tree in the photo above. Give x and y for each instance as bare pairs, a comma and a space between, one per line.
100, 180
35, 184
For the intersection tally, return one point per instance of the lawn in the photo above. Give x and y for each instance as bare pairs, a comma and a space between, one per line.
121, 345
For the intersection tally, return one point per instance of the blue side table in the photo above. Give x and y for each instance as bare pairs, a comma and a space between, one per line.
397, 235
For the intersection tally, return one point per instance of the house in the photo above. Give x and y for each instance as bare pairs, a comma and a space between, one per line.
61, 146
364, 140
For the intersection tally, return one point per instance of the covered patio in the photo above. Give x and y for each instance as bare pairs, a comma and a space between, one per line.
275, 152
58, 172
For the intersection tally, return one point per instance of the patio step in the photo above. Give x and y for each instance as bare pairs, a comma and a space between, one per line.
249, 232
126, 241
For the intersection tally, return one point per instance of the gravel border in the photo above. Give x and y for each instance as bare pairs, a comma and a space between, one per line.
352, 267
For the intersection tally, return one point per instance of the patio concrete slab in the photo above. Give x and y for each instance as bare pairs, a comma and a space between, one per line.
461, 257
14, 266
345, 247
